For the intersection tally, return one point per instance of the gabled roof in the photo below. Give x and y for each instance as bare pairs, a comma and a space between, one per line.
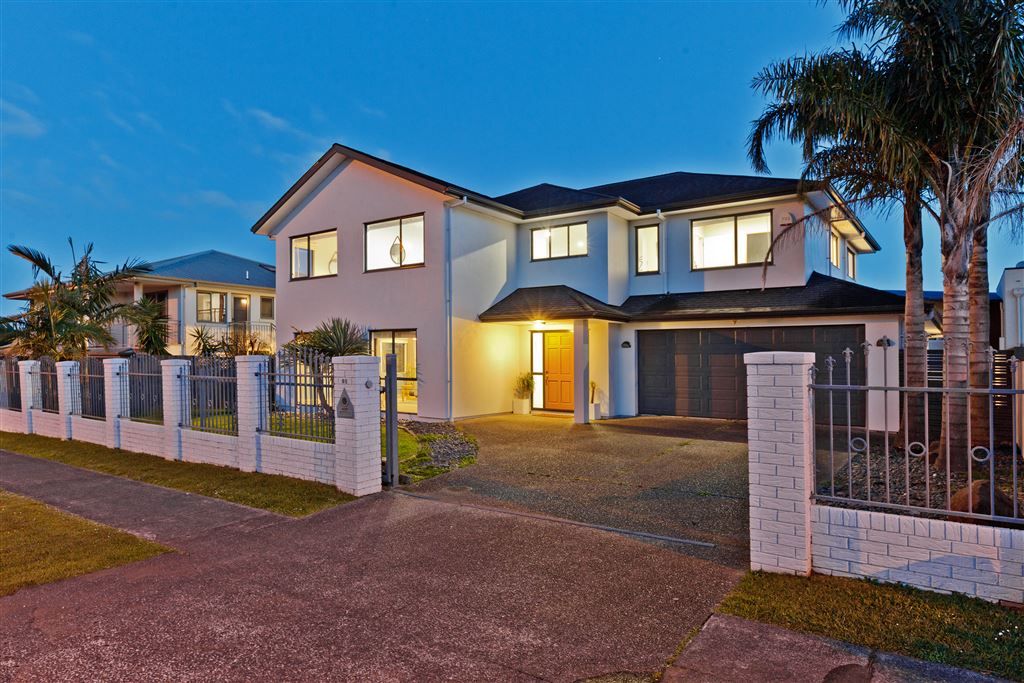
555, 302
640, 196
215, 266
822, 295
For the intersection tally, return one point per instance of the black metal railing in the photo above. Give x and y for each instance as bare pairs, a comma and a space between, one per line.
49, 397
144, 385
10, 384
300, 396
92, 401
211, 394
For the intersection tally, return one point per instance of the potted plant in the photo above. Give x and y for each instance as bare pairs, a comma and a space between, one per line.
595, 406
522, 392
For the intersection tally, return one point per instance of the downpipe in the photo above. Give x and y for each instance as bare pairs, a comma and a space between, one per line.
448, 309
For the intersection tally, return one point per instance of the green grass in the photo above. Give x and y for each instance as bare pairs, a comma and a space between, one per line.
283, 495
41, 544
949, 629
414, 458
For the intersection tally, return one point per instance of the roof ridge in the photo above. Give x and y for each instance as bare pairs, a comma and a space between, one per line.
692, 173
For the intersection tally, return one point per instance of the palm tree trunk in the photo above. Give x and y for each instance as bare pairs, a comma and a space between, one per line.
915, 346
955, 326
980, 334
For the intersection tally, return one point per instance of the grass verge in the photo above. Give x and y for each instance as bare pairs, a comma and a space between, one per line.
41, 544
948, 629
283, 495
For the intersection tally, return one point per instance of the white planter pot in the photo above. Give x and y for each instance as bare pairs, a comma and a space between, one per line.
521, 406
595, 411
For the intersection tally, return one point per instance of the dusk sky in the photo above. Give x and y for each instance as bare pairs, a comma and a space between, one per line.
156, 130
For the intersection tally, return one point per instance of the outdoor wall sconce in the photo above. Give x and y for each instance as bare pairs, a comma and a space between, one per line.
626, 345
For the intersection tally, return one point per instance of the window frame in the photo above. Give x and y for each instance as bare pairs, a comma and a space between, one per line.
851, 263
636, 249
585, 224
223, 307
366, 229
735, 240
309, 255
415, 378
835, 239
273, 307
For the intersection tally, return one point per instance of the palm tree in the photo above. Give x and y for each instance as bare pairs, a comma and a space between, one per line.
150, 321
65, 312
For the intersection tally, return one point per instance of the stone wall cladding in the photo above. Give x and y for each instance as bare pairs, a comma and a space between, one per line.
944, 556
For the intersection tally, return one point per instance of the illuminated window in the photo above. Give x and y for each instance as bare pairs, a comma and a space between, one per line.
725, 241
834, 249
851, 264
537, 368
315, 255
560, 241
211, 307
647, 249
402, 343
267, 307
394, 243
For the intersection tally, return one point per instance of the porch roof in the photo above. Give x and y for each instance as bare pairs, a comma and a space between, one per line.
553, 302
822, 295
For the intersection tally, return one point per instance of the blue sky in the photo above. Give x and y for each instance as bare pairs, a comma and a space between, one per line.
160, 129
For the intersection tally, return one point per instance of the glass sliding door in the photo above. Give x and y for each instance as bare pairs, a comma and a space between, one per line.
402, 343
537, 368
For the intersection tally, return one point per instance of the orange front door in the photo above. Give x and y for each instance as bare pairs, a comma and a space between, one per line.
558, 370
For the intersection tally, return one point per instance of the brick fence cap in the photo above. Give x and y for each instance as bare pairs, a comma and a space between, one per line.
778, 357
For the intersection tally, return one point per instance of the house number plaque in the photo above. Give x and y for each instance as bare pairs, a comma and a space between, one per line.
345, 407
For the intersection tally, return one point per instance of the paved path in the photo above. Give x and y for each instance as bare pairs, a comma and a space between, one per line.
153, 512
669, 476
388, 588
731, 649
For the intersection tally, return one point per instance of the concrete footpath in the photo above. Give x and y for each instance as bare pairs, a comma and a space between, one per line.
733, 649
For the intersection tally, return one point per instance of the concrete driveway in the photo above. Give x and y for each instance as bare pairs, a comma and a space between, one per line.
388, 588
677, 477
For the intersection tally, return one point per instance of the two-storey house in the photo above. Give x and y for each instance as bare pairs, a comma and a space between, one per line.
651, 289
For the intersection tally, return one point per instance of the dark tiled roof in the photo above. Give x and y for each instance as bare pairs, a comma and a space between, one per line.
545, 197
822, 295
216, 266
680, 188
555, 302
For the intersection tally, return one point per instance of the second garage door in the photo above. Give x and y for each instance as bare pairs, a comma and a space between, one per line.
700, 372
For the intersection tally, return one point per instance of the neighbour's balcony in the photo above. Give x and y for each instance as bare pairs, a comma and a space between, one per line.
126, 338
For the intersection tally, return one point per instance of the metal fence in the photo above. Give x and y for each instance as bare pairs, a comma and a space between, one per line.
92, 392
958, 467
48, 384
300, 400
144, 384
10, 384
212, 395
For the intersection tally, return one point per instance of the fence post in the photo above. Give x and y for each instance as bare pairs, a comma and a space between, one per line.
357, 438
251, 373
69, 392
31, 391
174, 384
780, 460
115, 397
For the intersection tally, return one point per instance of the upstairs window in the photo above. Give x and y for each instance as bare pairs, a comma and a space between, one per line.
394, 243
835, 249
315, 255
211, 307
851, 264
647, 250
726, 241
561, 241
266, 308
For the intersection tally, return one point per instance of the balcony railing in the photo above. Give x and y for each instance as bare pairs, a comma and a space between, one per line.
125, 337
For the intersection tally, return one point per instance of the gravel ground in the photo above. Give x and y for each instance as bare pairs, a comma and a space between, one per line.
449, 446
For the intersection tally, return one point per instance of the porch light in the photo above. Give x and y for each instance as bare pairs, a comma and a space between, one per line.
538, 323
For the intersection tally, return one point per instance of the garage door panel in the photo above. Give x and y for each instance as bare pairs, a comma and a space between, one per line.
701, 372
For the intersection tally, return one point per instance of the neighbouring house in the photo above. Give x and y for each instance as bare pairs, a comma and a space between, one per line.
1010, 292
650, 288
223, 293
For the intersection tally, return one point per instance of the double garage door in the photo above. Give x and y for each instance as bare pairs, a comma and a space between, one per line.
700, 372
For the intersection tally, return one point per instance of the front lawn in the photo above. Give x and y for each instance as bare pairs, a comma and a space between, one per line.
40, 544
949, 629
283, 495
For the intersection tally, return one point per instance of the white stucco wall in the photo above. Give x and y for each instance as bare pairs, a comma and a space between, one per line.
1011, 291
588, 273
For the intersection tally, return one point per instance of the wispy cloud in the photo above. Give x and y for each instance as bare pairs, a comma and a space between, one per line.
269, 120
18, 196
119, 122
16, 122
148, 121
21, 92
221, 200
371, 111
231, 109
81, 37
317, 114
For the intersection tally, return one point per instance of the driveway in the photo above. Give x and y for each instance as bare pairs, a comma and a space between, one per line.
683, 478
388, 588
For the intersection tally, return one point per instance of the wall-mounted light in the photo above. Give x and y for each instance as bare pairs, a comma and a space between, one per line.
626, 345
538, 323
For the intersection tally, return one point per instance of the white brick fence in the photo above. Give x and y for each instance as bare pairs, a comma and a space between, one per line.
792, 534
352, 463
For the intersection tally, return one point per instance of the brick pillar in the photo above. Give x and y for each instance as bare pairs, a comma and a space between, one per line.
115, 397
69, 393
31, 390
357, 468
174, 380
581, 371
253, 405
780, 461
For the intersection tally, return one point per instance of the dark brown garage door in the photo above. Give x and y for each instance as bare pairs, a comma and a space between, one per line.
700, 373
